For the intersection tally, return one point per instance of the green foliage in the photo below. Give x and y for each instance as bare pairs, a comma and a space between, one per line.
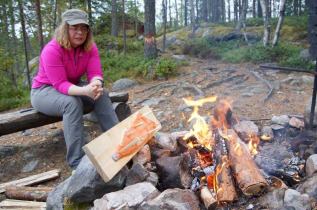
165, 68
14, 97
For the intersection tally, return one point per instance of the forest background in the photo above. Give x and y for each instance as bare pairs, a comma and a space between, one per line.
122, 28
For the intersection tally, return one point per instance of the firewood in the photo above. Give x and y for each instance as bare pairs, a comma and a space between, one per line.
28, 193
17, 204
208, 199
35, 179
224, 181
248, 176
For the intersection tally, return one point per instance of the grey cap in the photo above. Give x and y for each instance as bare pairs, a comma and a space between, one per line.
75, 16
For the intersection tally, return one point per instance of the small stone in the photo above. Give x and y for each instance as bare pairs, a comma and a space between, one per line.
297, 200
297, 123
281, 120
311, 165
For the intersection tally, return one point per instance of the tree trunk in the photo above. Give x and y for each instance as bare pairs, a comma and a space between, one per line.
295, 7
229, 11
254, 9
266, 22
186, 11
114, 20
204, 10
14, 45
70, 4
209, 9
55, 14
24, 41
123, 26
197, 12
90, 12
170, 12
164, 5
242, 15
192, 10
39, 25
136, 18
235, 10
260, 15
176, 23
279, 23
150, 50
223, 9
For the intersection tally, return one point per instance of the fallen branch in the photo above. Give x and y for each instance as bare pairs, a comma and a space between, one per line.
270, 93
28, 193
32, 180
229, 79
17, 204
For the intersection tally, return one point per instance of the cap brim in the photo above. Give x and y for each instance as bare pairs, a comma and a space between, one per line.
76, 22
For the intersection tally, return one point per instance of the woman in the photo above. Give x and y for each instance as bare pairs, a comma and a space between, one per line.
57, 89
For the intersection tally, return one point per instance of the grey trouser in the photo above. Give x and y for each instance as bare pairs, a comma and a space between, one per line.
49, 101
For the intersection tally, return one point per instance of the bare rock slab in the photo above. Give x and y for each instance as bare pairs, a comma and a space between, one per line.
174, 172
130, 197
173, 199
273, 199
55, 200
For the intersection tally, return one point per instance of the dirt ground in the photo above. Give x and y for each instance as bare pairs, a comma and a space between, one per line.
50, 151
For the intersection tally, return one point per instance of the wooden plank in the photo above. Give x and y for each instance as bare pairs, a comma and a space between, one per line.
18, 204
32, 180
100, 150
29, 118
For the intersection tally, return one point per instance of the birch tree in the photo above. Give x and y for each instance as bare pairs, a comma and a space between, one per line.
266, 22
279, 23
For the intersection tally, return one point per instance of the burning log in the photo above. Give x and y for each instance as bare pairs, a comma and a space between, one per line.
208, 199
28, 193
224, 182
248, 176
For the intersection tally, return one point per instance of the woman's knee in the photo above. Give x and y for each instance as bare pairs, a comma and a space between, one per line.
73, 103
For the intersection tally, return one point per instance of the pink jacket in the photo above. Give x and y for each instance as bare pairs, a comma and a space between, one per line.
61, 68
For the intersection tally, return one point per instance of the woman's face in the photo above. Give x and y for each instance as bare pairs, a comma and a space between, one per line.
77, 34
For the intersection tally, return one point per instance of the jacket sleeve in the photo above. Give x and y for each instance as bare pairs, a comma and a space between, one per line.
54, 69
94, 65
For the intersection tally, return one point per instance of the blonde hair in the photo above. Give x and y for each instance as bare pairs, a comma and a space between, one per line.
61, 36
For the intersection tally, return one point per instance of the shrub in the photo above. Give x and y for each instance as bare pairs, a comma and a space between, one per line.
166, 68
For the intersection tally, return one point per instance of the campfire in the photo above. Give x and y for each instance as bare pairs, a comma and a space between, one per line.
222, 163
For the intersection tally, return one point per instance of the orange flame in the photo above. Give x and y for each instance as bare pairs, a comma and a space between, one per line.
265, 138
200, 129
253, 143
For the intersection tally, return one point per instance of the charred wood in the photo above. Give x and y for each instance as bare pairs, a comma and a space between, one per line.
224, 181
247, 175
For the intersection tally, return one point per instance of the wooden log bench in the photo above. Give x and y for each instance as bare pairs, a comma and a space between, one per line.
29, 118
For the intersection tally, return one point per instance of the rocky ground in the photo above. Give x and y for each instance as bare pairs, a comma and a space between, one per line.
42, 149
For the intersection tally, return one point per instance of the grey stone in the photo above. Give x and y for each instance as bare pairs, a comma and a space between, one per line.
309, 186
297, 123
295, 199
123, 84
55, 199
173, 199
137, 174
267, 131
154, 101
207, 33
246, 128
57, 133
43, 133
307, 79
180, 57
305, 55
238, 87
87, 185
30, 166
131, 197
91, 117
311, 165
281, 120
182, 107
153, 178
273, 199
165, 141
276, 127
27, 132
257, 90
307, 113
195, 91
246, 95
143, 156
288, 80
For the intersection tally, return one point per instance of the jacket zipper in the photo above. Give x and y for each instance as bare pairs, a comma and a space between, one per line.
75, 56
